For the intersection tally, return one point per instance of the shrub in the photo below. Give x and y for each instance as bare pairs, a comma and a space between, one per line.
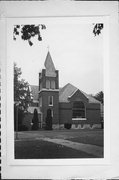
35, 120
67, 125
48, 120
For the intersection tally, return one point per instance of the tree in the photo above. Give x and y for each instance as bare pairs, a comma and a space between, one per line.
100, 97
22, 98
35, 120
18, 125
28, 31
22, 94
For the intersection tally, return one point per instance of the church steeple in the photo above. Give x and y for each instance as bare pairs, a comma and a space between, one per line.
49, 65
49, 90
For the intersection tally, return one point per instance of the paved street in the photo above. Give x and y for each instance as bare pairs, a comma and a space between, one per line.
61, 143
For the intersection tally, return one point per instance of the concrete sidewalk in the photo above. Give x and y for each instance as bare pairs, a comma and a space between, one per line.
87, 148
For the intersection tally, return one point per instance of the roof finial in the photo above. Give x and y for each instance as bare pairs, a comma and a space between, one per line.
48, 47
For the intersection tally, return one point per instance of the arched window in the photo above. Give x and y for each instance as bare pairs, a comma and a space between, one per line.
47, 84
78, 110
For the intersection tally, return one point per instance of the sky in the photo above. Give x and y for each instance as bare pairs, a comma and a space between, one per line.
75, 51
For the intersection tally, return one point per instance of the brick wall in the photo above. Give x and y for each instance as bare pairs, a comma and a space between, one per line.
92, 114
65, 113
55, 107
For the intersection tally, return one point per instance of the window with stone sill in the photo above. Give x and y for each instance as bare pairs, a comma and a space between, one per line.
50, 100
78, 111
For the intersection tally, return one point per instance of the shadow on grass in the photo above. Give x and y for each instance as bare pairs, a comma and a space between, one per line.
38, 149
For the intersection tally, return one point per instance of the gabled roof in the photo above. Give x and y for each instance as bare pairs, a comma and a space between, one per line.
66, 91
34, 91
69, 90
91, 98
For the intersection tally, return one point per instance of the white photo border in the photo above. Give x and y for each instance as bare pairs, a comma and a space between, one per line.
13, 10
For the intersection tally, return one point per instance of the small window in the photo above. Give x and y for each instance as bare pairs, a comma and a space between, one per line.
47, 84
52, 84
50, 100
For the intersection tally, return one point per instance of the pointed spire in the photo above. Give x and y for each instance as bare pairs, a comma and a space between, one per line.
49, 65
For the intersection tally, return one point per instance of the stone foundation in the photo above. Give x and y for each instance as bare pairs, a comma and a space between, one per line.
77, 126
96, 126
86, 126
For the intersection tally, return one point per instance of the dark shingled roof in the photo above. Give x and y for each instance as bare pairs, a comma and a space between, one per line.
68, 90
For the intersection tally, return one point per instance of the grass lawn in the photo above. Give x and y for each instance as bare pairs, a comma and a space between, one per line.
92, 137
38, 149
29, 147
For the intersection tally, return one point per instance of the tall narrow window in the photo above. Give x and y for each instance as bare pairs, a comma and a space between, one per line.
50, 99
78, 110
52, 84
47, 84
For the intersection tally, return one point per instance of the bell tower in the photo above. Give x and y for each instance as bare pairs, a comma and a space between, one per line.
49, 90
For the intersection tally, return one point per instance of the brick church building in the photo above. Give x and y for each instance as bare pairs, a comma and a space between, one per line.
69, 105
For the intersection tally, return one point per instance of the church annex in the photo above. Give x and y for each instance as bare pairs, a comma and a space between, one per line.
69, 105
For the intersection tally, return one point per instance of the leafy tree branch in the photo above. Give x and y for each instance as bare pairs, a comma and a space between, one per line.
27, 32
22, 93
97, 29
100, 97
